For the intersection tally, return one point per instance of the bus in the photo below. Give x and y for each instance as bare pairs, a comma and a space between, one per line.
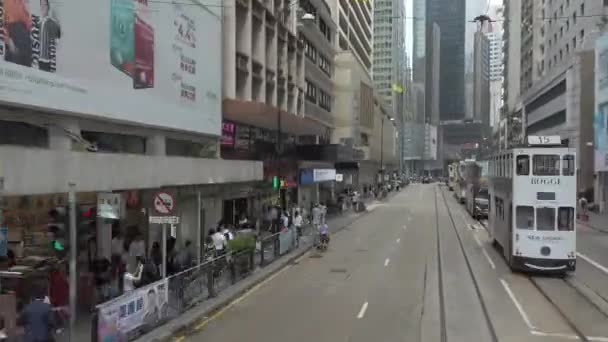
532, 213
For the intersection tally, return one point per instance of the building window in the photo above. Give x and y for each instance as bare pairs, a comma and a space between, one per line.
582, 9
311, 92
582, 35
310, 50
574, 43
574, 18
567, 48
325, 29
324, 65
561, 31
561, 55
324, 100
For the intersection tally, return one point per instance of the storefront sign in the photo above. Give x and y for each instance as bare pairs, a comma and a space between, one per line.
339, 177
600, 118
164, 219
228, 133
109, 205
324, 175
143, 307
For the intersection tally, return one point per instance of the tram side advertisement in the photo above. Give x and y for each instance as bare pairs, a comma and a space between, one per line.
149, 62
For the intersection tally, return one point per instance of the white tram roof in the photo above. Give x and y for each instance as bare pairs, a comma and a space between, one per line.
539, 150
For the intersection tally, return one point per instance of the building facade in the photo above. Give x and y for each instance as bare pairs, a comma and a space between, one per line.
388, 70
355, 30
450, 16
481, 79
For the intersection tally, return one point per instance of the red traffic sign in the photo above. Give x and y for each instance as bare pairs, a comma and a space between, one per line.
163, 204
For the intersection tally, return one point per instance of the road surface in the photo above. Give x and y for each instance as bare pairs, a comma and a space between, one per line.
417, 268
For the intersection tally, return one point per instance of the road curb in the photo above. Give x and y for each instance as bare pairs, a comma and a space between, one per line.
601, 230
185, 323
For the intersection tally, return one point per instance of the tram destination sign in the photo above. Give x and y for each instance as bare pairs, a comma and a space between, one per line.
544, 140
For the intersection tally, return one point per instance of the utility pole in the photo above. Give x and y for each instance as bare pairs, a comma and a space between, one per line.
382, 151
73, 255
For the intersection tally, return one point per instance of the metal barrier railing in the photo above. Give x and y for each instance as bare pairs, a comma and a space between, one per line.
139, 311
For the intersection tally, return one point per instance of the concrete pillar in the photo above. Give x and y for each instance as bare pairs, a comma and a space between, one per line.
156, 145
59, 134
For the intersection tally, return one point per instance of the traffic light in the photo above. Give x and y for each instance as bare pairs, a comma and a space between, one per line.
58, 226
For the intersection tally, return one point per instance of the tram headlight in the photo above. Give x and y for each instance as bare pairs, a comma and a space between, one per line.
572, 255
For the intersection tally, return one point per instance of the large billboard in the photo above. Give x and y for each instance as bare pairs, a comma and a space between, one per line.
156, 63
600, 118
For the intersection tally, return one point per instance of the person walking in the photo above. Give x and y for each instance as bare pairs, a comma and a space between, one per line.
298, 222
37, 319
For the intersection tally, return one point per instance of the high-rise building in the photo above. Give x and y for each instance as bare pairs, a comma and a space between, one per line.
389, 53
496, 78
419, 58
481, 78
354, 19
450, 16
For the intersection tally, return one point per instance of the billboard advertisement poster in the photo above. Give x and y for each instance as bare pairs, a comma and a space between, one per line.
155, 63
144, 307
600, 117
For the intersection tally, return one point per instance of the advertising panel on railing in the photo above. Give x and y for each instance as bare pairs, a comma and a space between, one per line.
141, 308
600, 119
156, 63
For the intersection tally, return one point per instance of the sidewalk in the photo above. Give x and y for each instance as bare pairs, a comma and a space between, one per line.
597, 222
190, 318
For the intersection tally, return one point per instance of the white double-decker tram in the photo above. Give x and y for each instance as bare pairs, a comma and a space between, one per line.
532, 216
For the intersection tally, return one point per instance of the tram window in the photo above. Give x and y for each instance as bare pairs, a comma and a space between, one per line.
568, 166
565, 219
546, 165
525, 217
545, 219
523, 165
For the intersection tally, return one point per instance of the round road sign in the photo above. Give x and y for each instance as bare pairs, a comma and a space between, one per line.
164, 204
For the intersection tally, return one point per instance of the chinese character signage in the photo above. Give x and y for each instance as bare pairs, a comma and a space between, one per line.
141, 308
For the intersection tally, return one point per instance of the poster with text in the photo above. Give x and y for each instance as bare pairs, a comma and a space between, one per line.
141, 308
600, 117
156, 63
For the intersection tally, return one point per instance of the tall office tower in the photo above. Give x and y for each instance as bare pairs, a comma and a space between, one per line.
481, 78
419, 59
496, 80
450, 16
354, 20
389, 53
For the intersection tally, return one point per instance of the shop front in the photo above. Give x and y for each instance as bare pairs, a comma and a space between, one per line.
317, 185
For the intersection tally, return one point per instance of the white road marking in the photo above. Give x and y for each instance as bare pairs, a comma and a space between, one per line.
593, 262
362, 311
488, 257
568, 336
398, 240
523, 314
558, 335
386, 262
477, 240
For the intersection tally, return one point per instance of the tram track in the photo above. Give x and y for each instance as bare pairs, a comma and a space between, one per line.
482, 303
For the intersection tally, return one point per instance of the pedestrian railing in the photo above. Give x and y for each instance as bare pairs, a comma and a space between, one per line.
139, 311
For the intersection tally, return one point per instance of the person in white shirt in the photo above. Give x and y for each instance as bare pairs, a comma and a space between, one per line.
284, 221
297, 222
219, 242
133, 276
